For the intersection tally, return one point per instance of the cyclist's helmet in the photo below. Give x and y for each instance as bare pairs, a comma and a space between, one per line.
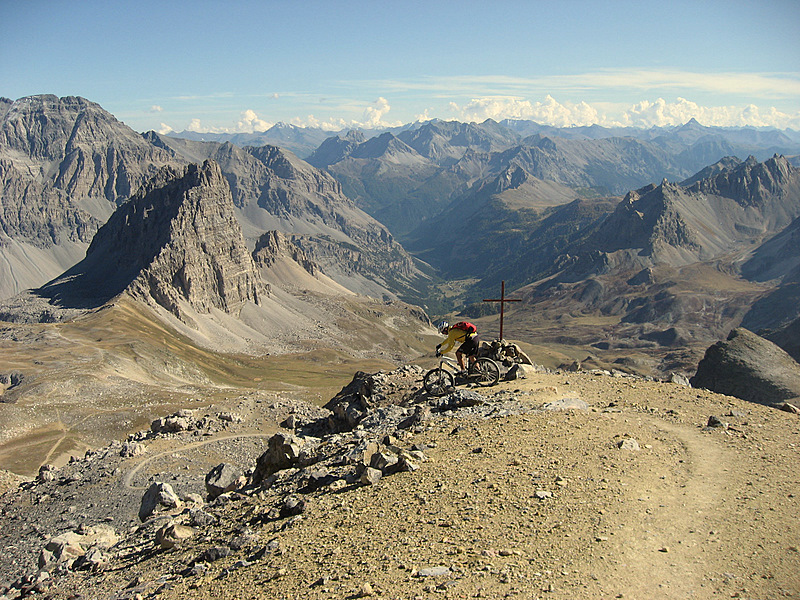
443, 327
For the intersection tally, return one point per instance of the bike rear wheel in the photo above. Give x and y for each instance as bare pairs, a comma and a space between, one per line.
438, 382
484, 372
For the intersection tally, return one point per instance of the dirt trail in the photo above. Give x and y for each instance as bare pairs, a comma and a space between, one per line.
127, 479
664, 545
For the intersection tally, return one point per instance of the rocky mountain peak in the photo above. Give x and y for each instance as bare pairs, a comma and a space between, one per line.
442, 137
276, 159
692, 124
634, 195
384, 144
273, 245
176, 244
79, 147
648, 218
275, 190
752, 183
204, 259
511, 178
42, 126
353, 135
726, 163
336, 148
751, 161
542, 141
697, 221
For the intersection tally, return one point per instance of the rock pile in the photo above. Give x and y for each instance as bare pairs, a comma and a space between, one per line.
10, 380
370, 391
62, 522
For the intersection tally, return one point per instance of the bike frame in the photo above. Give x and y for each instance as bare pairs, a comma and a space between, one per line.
448, 375
449, 364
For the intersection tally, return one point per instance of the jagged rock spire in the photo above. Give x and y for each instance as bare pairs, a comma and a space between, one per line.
176, 243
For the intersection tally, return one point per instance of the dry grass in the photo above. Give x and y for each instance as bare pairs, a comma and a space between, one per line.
112, 371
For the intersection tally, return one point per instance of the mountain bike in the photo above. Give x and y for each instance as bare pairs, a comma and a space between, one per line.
443, 379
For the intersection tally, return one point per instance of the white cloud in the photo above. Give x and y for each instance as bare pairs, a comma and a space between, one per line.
373, 118
645, 113
331, 124
251, 122
165, 129
196, 126
156, 108
423, 117
662, 113
373, 115
549, 112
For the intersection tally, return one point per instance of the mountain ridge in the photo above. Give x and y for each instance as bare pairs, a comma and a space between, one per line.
667, 268
65, 164
759, 141
175, 244
46, 226
177, 248
450, 157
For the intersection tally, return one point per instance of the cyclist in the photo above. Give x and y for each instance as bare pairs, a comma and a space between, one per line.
463, 332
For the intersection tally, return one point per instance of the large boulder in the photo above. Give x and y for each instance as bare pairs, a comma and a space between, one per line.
749, 367
158, 495
183, 420
283, 452
223, 478
71, 548
173, 534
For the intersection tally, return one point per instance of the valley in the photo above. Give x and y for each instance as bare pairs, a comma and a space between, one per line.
257, 251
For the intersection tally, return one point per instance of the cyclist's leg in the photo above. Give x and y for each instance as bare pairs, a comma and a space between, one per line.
469, 349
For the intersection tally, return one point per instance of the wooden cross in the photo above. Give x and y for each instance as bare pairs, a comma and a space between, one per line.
502, 300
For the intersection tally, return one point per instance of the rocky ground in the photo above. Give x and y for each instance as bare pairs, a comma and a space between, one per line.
560, 485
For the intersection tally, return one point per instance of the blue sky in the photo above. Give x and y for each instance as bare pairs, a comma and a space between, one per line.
243, 66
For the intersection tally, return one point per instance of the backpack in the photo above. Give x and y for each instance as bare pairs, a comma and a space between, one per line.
465, 326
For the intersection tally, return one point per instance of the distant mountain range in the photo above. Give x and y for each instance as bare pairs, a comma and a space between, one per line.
651, 240
668, 266
410, 175
406, 174
303, 141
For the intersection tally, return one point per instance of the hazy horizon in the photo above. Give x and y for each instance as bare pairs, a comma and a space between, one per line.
242, 67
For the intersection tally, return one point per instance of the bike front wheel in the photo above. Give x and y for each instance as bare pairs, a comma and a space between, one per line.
438, 382
484, 372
